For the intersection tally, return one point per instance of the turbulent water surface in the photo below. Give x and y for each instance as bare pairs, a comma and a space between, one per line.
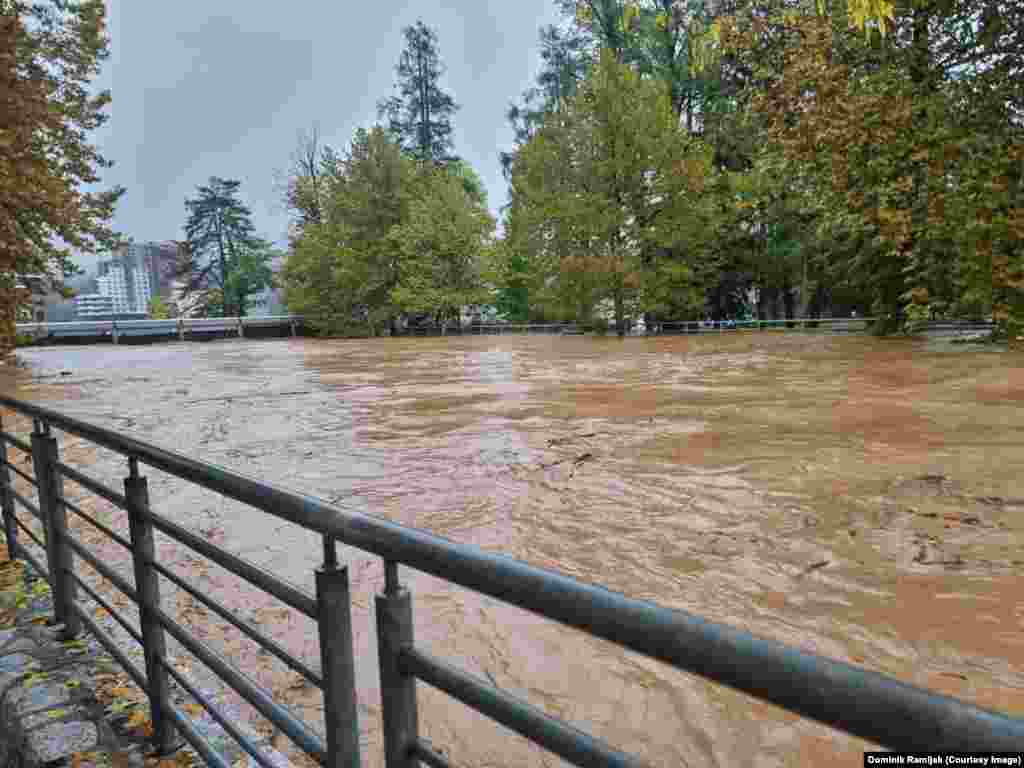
859, 498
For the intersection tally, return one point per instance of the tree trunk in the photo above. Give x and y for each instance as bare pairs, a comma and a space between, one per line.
620, 314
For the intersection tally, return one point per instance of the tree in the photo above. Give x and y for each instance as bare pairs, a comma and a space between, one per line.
442, 243
223, 252
342, 271
157, 310
911, 148
49, 53
419, 116
304, 183
608, 199
565, 60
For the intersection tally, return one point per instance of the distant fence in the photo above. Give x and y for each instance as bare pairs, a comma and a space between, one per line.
864, 703
689, 327
179, 328
184, 329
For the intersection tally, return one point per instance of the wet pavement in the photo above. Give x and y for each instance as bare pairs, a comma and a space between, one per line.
855, 497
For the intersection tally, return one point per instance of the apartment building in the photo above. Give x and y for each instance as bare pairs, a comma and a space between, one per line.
93, 306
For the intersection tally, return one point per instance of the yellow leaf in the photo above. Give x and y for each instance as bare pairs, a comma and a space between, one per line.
137, 719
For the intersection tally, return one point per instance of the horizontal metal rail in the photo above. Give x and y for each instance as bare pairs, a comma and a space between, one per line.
36, 565
427, 754
19, 473
115, 498
104, 570
286, 593
552, 734
20, 445
252, 692
246, 743
112, 534
196, 740
111, 646
26, 503
28, 532
172, 324
258, 637
863, 703
133, 633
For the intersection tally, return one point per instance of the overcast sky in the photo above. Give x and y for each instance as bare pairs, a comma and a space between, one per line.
222, 87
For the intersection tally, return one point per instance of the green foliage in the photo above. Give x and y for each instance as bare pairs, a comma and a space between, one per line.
396, 236
157, 309
224, 258
606, 194
419, 115
441, 243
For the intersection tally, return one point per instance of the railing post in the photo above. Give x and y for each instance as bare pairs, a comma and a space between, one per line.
6, 500
113, 331
337, 664
55, 525
181, 329
153, 643
397, 690
241, 328
293, 329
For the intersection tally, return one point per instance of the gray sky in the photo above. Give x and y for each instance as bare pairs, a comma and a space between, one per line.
222, 87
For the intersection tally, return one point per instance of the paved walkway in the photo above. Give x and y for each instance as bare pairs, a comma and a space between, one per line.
69, 703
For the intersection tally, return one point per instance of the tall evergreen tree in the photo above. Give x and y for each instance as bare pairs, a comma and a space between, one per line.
224, 257
419, 116
565, 60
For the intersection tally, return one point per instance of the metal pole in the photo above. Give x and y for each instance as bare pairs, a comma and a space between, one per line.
337, 663
59, 557
293, 329
398, 690
241, 328
113, 331
6, 500
181, 329
148, 587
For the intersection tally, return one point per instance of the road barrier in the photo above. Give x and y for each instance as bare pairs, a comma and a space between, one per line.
181, 328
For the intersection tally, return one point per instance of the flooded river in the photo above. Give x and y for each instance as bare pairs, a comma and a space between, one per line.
859, 498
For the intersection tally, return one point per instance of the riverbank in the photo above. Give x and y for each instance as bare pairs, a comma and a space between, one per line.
69, 703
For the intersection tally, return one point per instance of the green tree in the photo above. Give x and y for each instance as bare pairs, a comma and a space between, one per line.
609, 193
50, 52
223, 252
419, 116
342, 270
565, 60
157, 310
911, 147
442, 243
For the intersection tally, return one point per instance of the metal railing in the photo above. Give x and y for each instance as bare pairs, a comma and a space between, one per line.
858, 701
678, 327
180, 327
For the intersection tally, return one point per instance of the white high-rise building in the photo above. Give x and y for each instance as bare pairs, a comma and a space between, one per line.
126, 284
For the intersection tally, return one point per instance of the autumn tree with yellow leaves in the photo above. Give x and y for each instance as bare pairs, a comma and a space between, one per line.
50, 52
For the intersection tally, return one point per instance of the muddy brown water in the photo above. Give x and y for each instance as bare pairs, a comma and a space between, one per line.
855, 497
